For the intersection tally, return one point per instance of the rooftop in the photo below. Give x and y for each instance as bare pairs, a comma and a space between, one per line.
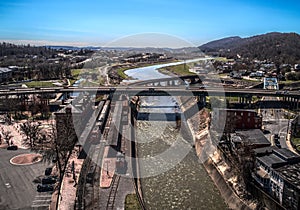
253, 136
290, 173
4, 70
264, 151
286, 154
74, 110
272, 161
237, 110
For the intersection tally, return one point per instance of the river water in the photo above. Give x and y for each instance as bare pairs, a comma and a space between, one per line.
168, 184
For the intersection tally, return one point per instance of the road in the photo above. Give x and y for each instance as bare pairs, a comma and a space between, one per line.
18, 191
275, 121
153, 91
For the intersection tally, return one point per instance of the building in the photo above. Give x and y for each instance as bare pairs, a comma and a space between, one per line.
252, 139
67, 122
76, 112
231, 120
277, 172
271, 83
295, 126
5, 74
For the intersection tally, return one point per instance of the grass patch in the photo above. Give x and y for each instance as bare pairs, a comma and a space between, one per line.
296, 140
76, 72
34, 84
180, 70
223, 59
253, 81
132, 203
121, 72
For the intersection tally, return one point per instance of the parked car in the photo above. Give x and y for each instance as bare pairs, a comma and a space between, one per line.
12, 147
44, 188
48, 171
49, 180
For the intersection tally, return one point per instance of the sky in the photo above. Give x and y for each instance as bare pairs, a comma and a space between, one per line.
99, 22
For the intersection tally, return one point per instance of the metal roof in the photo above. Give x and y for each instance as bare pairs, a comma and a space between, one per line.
272, 161
253, 136
4, 70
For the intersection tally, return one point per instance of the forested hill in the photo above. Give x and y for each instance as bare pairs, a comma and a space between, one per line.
276, 47
8, 49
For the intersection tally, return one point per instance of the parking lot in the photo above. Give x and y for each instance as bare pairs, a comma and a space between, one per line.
18, 191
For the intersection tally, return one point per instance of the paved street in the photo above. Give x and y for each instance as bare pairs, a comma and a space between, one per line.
275, 121
17, 189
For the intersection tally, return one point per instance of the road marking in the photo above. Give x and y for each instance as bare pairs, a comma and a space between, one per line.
41, 200
37, 196
41, 205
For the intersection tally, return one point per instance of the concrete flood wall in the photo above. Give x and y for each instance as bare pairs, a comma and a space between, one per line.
134, 162
232, 200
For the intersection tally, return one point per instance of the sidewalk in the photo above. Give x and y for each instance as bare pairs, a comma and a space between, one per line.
288, 143
17, 138
69, 187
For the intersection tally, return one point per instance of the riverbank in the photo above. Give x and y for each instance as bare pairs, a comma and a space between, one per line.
216, 168
117, 72
177, 70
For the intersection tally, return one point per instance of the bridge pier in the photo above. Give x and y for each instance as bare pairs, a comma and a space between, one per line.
201, 100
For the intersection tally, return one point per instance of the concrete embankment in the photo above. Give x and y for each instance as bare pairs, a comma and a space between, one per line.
199, 124
233, 201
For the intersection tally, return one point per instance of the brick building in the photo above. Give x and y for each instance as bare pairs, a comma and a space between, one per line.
236, 119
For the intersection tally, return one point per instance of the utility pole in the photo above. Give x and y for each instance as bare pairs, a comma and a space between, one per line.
287, 130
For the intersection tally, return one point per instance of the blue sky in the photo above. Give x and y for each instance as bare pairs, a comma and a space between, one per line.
96, 22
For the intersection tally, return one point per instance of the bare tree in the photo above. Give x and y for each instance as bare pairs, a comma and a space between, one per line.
32, 132
63, 140
6, 134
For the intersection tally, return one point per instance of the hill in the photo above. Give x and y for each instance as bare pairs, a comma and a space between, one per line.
276, 47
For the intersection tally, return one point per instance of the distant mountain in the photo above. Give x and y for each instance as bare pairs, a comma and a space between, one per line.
225, 43
276, 47
72, 47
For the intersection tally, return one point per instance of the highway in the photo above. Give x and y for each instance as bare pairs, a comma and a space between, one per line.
152, 91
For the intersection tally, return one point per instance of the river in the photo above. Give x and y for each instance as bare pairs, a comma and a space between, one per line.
184, 184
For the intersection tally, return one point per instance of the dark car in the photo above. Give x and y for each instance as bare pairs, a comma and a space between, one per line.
49, 180
12, 147
44, 188
276, 140
48, 171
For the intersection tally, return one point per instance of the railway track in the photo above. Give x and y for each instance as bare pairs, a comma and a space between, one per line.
113, 192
